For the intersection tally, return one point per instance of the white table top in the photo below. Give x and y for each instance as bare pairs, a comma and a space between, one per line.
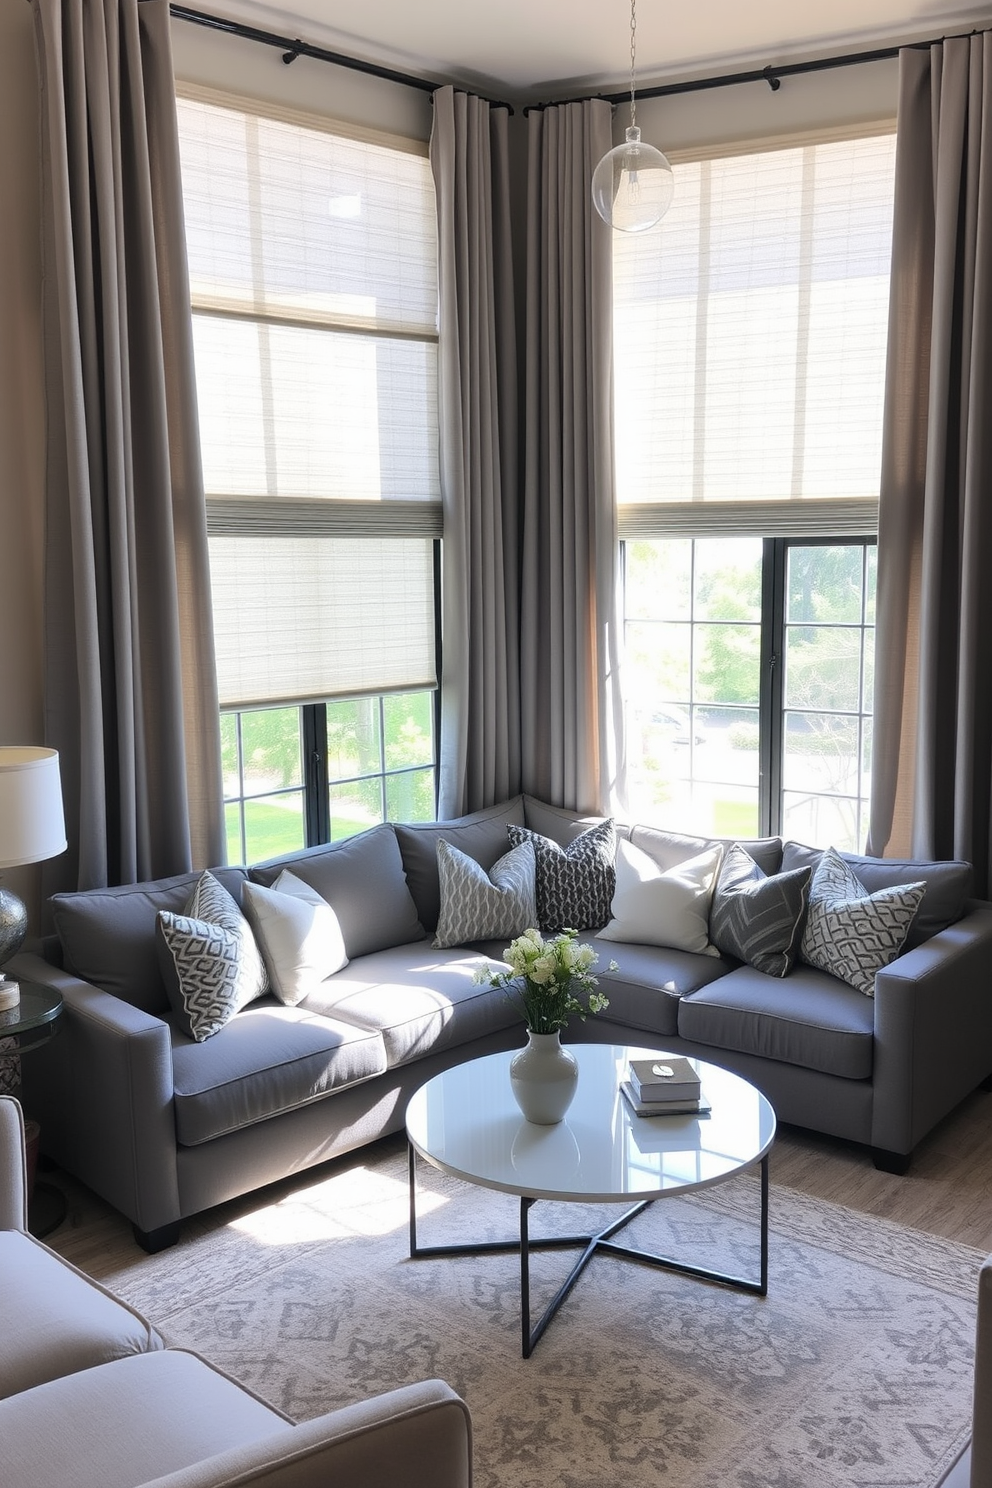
467, 1123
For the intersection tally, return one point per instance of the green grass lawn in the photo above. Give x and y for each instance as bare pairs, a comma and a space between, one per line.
272, 830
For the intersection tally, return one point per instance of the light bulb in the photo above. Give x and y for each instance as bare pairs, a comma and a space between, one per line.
633, 185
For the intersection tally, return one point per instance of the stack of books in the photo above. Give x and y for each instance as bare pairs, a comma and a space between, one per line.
666, 1085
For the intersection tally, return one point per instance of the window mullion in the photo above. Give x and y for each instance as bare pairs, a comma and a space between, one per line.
316, 806
772, 688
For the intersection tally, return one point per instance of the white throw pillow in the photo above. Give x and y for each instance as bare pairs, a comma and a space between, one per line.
665, 908
299, 935
476, 905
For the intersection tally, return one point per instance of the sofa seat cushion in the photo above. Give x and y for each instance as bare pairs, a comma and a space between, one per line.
418, 999
131, 1422
56, 1320
645, 990
268, 1059
809, 1019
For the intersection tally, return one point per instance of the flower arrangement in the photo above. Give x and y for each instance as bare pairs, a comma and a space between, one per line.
548, 977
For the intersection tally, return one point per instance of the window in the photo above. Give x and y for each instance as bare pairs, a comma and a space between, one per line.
723, 634
280, 795
750, 336
313, 276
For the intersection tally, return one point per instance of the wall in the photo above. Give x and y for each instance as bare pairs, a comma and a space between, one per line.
22, 405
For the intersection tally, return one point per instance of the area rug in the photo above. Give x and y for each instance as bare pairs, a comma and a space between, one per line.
854, 1372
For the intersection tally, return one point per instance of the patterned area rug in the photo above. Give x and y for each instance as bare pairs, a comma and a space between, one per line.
854, 1372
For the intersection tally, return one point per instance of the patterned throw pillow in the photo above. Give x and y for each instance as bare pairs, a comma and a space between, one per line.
476, 905
210, 962
852, 933
756, 917
575, 884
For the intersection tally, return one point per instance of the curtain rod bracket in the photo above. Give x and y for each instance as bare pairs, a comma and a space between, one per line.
293, 52
773, 82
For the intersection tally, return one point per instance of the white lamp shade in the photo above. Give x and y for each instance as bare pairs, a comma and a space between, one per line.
32, 822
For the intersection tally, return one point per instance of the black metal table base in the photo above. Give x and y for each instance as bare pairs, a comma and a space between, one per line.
601, 1242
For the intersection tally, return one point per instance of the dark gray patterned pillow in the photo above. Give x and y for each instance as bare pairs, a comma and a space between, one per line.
575, 884
210, 962
852, 933
757, 918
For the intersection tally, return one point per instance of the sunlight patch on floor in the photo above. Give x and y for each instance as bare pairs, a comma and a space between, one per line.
359, 1202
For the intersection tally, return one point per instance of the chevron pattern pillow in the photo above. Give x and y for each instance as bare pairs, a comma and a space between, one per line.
210, 962
476, 905
575, 884
759, 917
851, 933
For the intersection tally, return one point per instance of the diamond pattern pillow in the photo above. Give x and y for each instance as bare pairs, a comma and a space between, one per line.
575, 884
476, 905
756, 917
852, 933
210, 962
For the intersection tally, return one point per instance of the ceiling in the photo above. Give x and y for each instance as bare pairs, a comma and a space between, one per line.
525, 50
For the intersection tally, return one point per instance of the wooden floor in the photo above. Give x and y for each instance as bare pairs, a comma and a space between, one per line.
947, 1191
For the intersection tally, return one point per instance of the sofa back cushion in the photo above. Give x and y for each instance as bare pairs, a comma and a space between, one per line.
480, 835
363, 881
108, 935
671, 848
948, 884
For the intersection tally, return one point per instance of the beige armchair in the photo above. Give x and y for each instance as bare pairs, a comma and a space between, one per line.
90, 1396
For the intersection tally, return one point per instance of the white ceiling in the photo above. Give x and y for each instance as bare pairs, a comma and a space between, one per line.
524, 50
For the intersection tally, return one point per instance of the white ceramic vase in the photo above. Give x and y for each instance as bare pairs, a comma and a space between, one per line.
543, 1077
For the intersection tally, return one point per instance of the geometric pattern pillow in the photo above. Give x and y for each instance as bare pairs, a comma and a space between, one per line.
850, 932
757, 918
575, 884
210, 962
476, 905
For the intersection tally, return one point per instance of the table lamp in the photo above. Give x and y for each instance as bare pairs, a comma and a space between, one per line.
32, 828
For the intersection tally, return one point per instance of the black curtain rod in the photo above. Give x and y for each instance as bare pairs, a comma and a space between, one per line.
772, 75
293, 48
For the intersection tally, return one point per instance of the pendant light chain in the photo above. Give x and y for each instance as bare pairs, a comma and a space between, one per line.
633, 62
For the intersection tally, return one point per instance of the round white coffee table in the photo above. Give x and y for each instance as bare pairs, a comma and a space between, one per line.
465, 1122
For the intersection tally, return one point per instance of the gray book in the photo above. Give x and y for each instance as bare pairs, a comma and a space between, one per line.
697, 1107
666, 1077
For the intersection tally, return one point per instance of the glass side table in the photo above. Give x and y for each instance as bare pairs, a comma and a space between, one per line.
33, 1022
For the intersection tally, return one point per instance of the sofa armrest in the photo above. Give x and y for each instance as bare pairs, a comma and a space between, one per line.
102, 1092
933, 1030
420, 1436
13, 1168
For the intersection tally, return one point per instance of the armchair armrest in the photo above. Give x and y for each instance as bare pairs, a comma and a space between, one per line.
933, 1030
13, 1170
420, 1436
102, 1091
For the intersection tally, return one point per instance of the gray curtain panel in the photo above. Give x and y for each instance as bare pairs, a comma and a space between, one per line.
131, 696
571, 719
480, 711
932, 747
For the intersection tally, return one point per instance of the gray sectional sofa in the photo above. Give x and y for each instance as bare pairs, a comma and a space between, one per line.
163, 1126
90, 1396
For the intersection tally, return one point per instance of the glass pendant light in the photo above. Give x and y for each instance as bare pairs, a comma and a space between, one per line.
633, 185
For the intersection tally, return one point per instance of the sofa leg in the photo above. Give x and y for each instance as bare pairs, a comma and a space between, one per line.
153, 1241
891, 1162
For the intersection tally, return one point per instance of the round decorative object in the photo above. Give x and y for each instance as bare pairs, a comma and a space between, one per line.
633, 185
543, 1077
13, 924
